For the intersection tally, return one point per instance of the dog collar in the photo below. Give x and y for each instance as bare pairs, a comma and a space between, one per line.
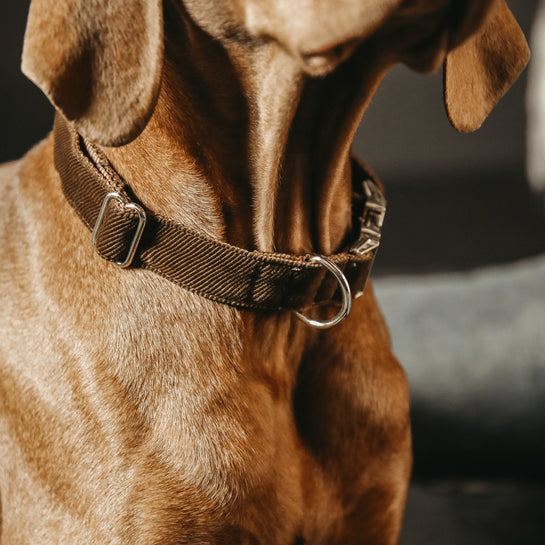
126, 233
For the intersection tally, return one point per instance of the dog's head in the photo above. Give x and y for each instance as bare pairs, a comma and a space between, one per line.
100, 61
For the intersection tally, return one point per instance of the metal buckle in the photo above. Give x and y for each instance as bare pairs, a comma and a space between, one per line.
370, 225
139, 228
372, 220
345, 290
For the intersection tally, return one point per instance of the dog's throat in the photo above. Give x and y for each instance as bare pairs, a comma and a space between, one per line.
126, 233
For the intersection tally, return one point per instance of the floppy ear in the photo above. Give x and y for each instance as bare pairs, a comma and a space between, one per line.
480, 70
99, 62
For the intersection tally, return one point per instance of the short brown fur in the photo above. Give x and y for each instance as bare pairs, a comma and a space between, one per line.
132, 411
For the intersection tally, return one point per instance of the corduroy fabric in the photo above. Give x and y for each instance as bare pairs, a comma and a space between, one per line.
213, 269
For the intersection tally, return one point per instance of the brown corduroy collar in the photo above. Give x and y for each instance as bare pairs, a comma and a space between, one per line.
128, 234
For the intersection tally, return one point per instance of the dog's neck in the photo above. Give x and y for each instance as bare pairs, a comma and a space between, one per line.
244, 147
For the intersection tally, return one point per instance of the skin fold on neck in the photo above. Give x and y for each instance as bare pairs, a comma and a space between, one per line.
243, 146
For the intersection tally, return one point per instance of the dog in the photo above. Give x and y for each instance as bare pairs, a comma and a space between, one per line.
138, 410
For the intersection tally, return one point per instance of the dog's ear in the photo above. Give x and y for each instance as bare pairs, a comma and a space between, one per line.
480, 70
99, 62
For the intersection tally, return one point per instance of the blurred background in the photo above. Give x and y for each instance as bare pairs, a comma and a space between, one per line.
460, 276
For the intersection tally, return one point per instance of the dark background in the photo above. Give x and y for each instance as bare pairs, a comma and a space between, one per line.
457, 204
457, 201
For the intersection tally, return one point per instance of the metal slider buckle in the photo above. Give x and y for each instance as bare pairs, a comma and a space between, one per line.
346, 304
137, 234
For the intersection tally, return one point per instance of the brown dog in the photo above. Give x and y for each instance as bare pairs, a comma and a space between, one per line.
134, 411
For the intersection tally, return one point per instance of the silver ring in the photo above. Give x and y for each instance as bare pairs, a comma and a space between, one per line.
346, 293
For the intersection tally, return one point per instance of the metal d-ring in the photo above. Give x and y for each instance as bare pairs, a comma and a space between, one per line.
346, 304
